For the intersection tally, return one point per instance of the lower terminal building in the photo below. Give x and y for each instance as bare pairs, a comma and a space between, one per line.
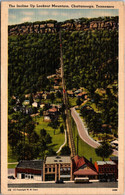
84, 168
57, 167
29, 169
107, 170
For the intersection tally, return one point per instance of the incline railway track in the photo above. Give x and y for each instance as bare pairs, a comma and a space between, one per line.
65, 100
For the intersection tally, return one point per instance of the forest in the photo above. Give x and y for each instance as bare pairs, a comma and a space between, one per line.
90, 61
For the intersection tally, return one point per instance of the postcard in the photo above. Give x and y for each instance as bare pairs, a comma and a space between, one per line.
62, 102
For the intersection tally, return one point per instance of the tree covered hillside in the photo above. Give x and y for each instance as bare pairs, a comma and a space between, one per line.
31, 59
91, 62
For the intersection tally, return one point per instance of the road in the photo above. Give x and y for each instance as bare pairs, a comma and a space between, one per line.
67, 185
83, 133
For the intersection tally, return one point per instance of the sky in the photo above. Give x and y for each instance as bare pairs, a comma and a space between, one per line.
17, 16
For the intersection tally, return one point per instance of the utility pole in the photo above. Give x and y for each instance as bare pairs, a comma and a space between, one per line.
77, 144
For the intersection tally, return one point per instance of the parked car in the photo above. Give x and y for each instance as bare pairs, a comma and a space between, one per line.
81, 180
11, 177
59, 181
103, 180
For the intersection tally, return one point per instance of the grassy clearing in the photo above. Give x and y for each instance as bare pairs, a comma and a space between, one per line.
57, 139
55, 101
11, 166
72, 101
82, 148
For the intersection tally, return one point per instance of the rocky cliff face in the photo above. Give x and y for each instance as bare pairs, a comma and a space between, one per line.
54, 27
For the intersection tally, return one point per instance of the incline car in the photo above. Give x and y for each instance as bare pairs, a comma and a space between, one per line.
81, 180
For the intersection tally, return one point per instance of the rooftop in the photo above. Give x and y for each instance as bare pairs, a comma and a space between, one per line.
31, 164
78, 162
53, 109
85, 172
57, 159
114, 158
105, 162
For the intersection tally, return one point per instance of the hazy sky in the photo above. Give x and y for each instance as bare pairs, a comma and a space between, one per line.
17, 16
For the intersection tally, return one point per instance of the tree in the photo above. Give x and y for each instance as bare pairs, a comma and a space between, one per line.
51, 152
62, 129
104, 151
31, 99
78, 102
65, 151
58, 94
25, 152
52, 97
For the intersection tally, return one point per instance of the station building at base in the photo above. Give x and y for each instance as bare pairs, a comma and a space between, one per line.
83, 168
57, 167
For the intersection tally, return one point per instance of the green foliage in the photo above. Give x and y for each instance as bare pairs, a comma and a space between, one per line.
61, 129
65, 151
78, 102
31, 58
104, 151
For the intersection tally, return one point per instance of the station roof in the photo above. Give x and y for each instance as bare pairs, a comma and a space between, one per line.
105, 162
57, 159
30, 164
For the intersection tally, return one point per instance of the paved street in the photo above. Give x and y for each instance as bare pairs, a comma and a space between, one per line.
66, 185
83, 133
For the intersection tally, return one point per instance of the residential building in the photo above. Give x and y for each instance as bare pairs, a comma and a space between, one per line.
26, 102
47, 118
83, 168
106, 169
29, 169
57, 167
42, 106
53, 111
35, 104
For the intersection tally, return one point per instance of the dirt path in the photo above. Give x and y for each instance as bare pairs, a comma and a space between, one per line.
63, 143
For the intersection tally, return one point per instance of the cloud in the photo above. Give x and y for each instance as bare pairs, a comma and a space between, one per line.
27, 13
12, 16
55, 13
63, 14
44, 12
26, 19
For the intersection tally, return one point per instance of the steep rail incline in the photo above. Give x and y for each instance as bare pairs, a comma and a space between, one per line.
65, 100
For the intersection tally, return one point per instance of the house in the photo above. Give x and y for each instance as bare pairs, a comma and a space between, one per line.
47, 118
42, 106
106, 170
46, 96
58, 106
29, 169
26, 102
27, 95
82, 95
35, 104
57, 167
78, 91
70, 93
16, 108
56, 87
83, 168
53, 111
114, 143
